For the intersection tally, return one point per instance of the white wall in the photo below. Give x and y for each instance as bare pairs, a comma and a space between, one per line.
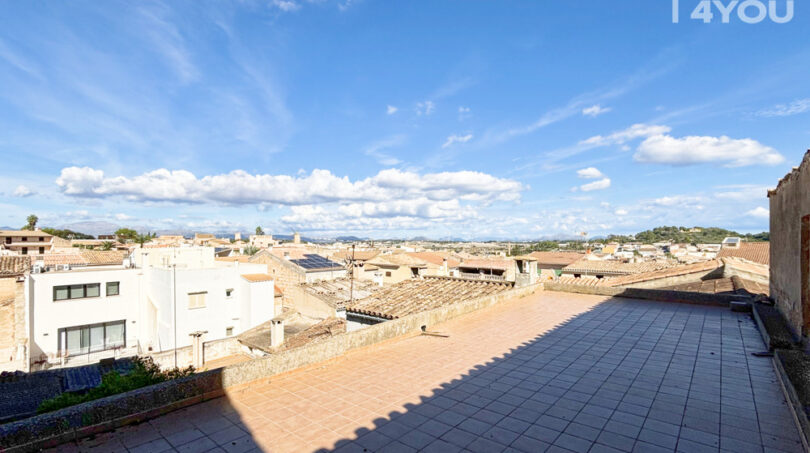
48, 316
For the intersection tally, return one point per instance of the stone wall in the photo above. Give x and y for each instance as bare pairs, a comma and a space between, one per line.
212, 350
789, 202
13, 327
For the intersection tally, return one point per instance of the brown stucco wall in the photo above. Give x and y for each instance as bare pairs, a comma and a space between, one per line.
789, 202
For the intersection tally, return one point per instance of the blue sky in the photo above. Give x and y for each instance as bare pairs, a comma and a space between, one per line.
472, 119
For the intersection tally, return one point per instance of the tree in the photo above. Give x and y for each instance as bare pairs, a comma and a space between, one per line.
106, 245
126, 233
141, 239
250, 250
259, 231
32, 222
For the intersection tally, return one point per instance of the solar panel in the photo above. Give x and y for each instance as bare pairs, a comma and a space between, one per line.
316, 262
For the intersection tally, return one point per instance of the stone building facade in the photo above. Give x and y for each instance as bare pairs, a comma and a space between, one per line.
790, 247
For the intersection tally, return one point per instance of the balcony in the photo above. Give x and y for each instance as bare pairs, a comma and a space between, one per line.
479, 276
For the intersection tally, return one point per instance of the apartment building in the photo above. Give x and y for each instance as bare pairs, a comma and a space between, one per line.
152, 301
24, 242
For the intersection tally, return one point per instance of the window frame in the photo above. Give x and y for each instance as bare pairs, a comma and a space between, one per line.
197, 294
70, 289
117, 289
86, 332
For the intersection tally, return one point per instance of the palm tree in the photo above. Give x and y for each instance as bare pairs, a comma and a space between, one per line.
106, 245
143, 238
250, 250
32, 222
259, 231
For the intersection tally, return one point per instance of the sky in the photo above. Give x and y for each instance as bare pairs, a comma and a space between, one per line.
447, 119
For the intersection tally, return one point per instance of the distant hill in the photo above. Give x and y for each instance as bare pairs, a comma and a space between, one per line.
692, 235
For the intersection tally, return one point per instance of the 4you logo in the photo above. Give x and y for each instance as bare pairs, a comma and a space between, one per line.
747, 11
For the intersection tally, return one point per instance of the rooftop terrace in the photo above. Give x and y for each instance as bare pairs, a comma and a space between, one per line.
546, 372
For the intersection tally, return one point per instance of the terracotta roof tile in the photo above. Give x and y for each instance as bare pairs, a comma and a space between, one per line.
758, 252
436, 258
488, 263
103, 257
255, 278
11, 265
612, 267
423, 294
555, 260
337, 292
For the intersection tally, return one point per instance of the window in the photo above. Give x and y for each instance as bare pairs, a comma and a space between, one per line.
93, 337
113, 288
388, 274
229, 292
25, 250
25, 239
196, 300
41, 239
76, 291
229, 331
41, 250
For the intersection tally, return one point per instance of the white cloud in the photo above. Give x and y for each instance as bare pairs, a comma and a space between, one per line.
794, 108
665, 149
601, 184
375, 150
319, 187
759, 212
23, 191
286, 5
595, 110
390, 110
453, 139
626, 135
425, 108
621, 212
589, 173
463, 113
122, 217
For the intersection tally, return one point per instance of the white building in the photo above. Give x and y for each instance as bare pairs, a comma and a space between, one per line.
148, 304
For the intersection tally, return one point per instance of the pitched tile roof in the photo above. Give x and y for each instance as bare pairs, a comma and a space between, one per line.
11, 265
675, 271
337, 293
400, 259
299, 330
103, 257
726, 285
612, 267
758, 252
27, 233
436, 258
555, 259
418, 295
488, 263
255, 278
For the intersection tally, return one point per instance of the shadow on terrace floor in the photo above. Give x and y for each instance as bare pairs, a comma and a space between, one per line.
623, 376
593, 374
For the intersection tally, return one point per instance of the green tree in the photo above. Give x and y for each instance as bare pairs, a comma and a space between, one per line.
259, 231
250, 250
32, 222
142, 239
106, 245
126, 234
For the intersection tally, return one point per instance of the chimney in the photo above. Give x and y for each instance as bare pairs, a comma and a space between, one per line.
276, 332
296, 238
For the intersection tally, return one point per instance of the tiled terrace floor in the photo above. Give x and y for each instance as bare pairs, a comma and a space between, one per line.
549, 372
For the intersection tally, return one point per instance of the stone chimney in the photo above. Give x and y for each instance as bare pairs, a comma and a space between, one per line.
296, 238
276, 332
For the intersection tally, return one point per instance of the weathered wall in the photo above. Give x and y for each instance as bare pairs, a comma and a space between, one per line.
789, 202
678, 279
13, 328
212, 350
